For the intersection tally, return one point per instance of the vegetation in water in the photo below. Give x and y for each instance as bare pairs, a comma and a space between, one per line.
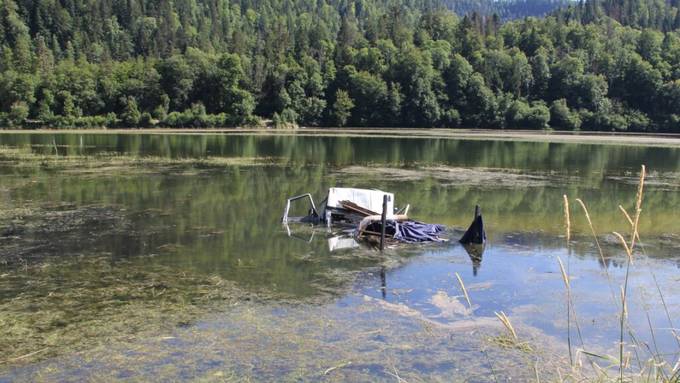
611, 65
64, 305
175, 241
636, 360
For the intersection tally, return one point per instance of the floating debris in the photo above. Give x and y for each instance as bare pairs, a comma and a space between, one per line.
356, 211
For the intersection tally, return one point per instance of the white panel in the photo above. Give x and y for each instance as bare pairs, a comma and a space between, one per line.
369, 199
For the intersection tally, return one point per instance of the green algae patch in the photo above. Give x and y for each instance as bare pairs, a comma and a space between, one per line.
119, 266
370, 340
31, 233
110, 162
453, 176
66, 305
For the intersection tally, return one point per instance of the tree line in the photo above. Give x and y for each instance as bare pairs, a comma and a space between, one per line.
506, 9
198, 63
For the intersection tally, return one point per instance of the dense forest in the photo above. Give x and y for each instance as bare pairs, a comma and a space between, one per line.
595, 65
506, 9
656, 14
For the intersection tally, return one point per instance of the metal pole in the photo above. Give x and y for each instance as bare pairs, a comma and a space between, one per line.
383, 221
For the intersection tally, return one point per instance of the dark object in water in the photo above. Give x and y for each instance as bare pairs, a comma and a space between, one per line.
475, 252
409, 231
475, 233
474, 241
414, 231
11, 231
358, 208
342, 206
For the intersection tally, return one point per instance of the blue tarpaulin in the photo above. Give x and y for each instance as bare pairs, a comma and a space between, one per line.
414, 231
410, 231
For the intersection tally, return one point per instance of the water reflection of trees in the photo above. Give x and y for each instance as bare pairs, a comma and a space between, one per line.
225, 220
589, 161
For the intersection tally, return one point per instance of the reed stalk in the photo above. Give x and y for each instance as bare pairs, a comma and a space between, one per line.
567, 228
467, 298
630, 221
462, 286
567, 220
663, 302
538, 379
599, 248
624, 290
638, 204
565, 277
629, 247
592, 229
629, 253
641, 186
625, 214
506, 322
609, 280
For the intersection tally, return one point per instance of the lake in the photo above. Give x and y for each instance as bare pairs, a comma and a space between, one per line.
145, 256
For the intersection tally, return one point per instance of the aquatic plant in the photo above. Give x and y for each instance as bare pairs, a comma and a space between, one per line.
85, 301
656, 368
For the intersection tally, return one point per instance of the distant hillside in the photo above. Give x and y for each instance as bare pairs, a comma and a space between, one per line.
198, 63
507, 9
657, 14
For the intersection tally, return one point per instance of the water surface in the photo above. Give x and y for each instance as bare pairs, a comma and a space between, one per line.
198, 217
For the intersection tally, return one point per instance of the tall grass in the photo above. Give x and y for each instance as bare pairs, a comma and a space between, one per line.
469, 302
565, 275
508, 325
652, 365
656, 368
624, 295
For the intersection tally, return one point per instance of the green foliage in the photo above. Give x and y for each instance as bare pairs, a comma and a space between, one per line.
451, 118
146, 120
507, 9
101, 121
18, 113
131, 115
521, 115
342, 107
315, 63
659, 15
563, 118
195, 117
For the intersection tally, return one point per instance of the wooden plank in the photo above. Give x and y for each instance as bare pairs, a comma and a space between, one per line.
349, 205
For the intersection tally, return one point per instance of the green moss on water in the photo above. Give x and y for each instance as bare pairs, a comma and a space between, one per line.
107, 162
69, 309
58, 299
65, 305
280, 342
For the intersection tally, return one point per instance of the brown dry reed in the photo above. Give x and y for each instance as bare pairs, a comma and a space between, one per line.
623, 361
462, 286
506, 322
567, 220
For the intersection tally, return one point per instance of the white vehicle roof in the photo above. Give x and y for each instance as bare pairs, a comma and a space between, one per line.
371, 199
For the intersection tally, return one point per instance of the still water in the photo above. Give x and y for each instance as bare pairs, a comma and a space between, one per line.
157, 216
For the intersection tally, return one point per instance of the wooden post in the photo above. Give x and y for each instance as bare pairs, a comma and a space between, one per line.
383, 221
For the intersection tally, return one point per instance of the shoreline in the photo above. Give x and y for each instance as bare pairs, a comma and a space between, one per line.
589, 137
